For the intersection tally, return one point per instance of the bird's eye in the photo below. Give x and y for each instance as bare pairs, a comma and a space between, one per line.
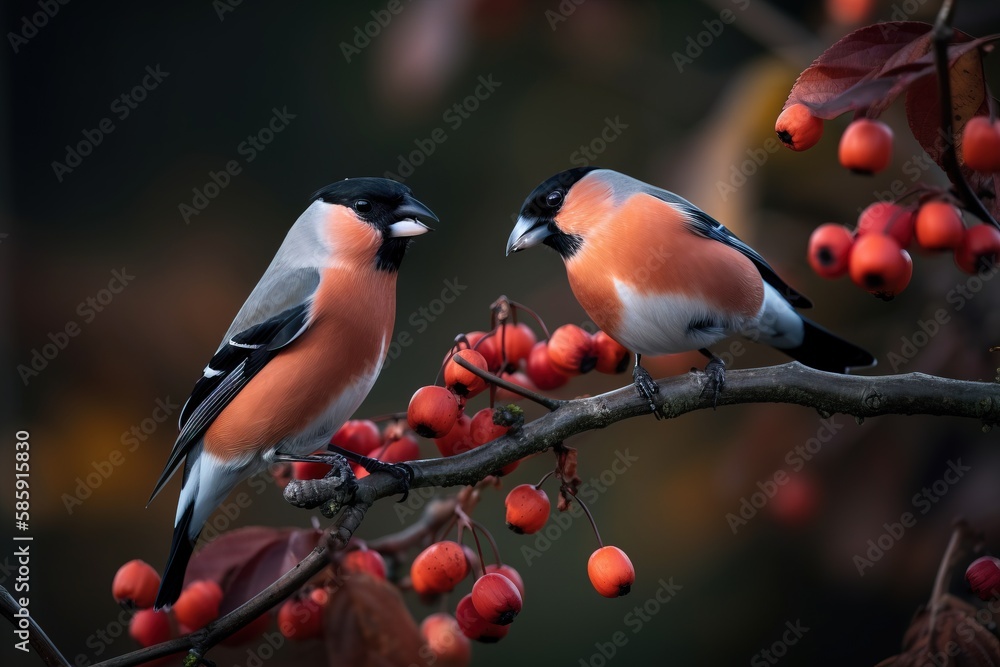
554, 198
362, 206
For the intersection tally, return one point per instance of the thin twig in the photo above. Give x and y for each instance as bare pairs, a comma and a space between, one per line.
943, 33
47, 651
545, 401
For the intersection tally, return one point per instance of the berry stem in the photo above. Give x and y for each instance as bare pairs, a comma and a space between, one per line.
593, 524
464, 520
489, 538
943, 32
521, 306
545, 477
545, 401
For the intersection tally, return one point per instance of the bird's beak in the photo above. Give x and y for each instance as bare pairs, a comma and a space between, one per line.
408, 225
528, 232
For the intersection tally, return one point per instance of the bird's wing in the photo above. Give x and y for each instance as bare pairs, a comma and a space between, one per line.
282, 286
239, 359
705, 225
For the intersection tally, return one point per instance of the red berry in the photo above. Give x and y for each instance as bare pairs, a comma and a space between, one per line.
798, 128
438, 568
611, 572
981, 144
458, 439
939, 226
400, 450
541, 370
510, 573
463, 381
432, 411
516, 339
527, 509
488, 346
364, 561
571, 350
301, 618
149, 627
448, 646
611, 356
360, 436
198, 605
796, 500
890, 219
866, 146
879, 266
136, 583
830, 249
483, 429
979, 249
474, 626
983, 575
850, 12
309, 470
496, 598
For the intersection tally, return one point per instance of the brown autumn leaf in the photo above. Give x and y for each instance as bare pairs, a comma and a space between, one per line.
957, 640
566, 462
366, 624
969, 98
247, 560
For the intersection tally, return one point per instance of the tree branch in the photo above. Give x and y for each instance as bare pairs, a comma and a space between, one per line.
828, 393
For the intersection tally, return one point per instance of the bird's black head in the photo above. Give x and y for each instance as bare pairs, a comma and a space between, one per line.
387, 206
537, 220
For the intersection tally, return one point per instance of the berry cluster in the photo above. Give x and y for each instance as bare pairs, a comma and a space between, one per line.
392, 444
875, 253
512, 352
135, 585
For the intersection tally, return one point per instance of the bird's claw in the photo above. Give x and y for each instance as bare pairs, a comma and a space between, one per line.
715, 371
647, 388
400, 471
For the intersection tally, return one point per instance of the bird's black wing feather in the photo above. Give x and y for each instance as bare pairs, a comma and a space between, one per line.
232, 367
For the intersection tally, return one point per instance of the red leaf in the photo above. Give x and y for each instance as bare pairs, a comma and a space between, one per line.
855, 62
247, 560
367, 625
868, 69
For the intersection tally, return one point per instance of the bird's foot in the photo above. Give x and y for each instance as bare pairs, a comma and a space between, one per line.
715, 371
400, 471
647, 387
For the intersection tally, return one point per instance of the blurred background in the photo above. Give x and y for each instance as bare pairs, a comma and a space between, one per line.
101, 245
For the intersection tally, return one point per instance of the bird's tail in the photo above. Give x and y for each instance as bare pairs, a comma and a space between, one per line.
180, 553
825, 351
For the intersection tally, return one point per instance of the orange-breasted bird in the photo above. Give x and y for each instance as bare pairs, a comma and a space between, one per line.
661, 276
301, 355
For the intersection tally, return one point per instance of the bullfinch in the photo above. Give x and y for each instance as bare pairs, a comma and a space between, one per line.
301, 355
661, 276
